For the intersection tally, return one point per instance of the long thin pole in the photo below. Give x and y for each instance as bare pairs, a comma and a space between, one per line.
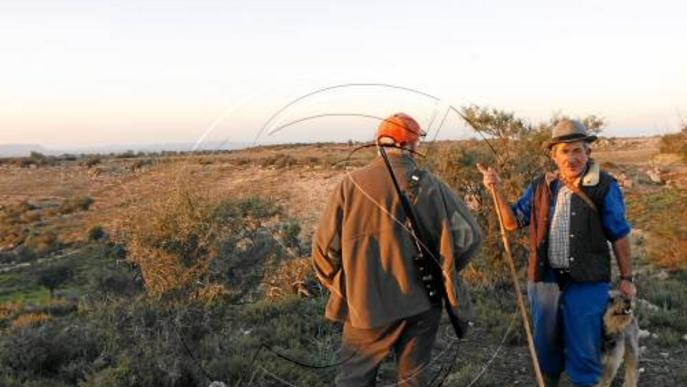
518, 294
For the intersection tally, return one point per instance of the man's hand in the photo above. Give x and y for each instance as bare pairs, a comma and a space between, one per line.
491, 180
627, 289
489, 177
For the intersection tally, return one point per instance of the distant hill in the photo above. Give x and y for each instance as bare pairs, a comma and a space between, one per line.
20, 150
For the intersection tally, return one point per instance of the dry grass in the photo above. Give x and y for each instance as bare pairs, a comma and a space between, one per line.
292, 276
28, 320
10, 309
654, 212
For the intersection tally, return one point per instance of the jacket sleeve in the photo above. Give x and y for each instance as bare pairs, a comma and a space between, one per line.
460, 229
326, 247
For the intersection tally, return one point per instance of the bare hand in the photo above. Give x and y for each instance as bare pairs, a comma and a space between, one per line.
489, 176
627, 289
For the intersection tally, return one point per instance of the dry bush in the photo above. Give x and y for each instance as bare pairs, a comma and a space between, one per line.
170, 241
14, 213
28, 320
10, 309
675, 143
42, 242
280, 160
293, 276
655, 213
140, 164
91, 162
195, 247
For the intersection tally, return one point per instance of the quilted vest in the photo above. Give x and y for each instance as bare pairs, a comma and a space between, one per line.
590, 258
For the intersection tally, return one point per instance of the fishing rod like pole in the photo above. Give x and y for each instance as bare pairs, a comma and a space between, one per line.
516, 286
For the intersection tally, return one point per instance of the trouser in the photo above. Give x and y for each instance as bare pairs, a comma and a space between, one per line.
568, 328
411, 340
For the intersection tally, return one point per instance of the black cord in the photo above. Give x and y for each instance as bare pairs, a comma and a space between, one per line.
195, 360
304, 364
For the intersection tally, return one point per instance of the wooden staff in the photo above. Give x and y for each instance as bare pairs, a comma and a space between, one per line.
518, 294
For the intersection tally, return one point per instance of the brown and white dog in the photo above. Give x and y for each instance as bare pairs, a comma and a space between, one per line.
621, 341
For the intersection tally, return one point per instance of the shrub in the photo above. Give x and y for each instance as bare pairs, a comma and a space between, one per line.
53, 276
655, 212
675, 143
75, 204
49, 353
289, 235
10, 309
293, 276
96, 233
189, 245
279, 160
27, 320
42, 242
38, 159
91, 162
114, 279
140, 164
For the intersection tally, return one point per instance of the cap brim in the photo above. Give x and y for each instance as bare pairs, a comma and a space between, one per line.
589, 138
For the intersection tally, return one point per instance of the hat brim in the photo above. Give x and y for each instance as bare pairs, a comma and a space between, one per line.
561, 140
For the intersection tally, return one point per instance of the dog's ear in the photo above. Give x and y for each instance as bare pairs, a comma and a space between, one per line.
612, 294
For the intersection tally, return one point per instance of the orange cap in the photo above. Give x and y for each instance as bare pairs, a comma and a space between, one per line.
402, 128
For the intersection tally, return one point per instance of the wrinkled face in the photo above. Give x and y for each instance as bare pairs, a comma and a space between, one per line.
571, 158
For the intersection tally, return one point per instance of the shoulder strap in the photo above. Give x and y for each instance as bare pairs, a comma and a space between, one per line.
577, 191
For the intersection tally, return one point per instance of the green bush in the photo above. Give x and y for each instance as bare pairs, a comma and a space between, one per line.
96, 233
54, 276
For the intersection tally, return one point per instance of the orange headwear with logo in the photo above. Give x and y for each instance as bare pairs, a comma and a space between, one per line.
402, 128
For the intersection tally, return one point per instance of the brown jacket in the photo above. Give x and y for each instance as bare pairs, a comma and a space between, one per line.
364, 256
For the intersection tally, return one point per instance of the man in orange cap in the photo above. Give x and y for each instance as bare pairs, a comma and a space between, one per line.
363, 253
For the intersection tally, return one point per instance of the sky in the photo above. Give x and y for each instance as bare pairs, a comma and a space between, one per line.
90, 72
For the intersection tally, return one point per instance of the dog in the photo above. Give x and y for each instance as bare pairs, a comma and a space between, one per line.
621, 341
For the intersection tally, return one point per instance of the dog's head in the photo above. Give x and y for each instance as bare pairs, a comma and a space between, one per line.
618, 313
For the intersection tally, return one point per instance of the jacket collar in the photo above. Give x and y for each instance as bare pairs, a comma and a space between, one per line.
591, 178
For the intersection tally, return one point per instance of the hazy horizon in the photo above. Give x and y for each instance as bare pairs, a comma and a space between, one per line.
84, 74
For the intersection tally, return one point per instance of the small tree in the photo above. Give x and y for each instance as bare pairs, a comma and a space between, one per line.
53, 277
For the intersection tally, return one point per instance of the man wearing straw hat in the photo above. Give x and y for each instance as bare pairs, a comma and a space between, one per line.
572, 215
365, 254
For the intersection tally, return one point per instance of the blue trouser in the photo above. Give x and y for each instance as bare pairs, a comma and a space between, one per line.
568, 327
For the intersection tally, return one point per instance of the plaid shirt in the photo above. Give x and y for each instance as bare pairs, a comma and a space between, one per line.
559, 230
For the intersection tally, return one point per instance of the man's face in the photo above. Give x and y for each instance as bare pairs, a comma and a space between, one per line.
571, 158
